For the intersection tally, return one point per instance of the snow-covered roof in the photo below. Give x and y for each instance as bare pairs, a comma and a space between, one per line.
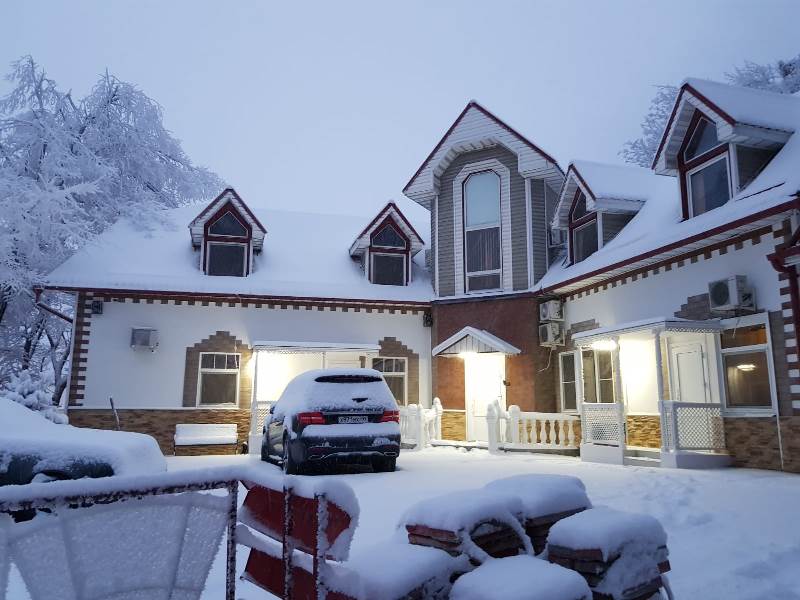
228, 196
616, 188
658, 230
305, 256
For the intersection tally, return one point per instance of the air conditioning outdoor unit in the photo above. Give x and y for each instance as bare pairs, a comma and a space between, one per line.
731, 293
144, 338
551, 335
551, 310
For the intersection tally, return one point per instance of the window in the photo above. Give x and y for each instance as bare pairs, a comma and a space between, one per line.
218, 382
584, 241
579, 209
388, 269
228, 225
226, 259
388, 237
704, 138
708, 186
557, 237
750, 162
745, 358
394, 372
598, 376
569, 389
482, 238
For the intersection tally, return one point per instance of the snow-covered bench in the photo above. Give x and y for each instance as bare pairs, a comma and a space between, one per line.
205, 438
622, 555
546, 499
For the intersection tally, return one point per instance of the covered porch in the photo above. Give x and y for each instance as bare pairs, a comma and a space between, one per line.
651, 391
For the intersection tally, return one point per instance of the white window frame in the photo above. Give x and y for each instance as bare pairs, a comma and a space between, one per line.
595, 353
593, 223
577, 382
403, 255
404, 374
700, 167
711, 123
397, 231
222, 235
244, 256
201, 370
748, 321
498, 225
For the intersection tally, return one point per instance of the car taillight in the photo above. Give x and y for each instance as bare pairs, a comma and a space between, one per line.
390, 416
311, 418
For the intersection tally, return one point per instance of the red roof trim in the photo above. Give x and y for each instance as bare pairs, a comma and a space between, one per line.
496, 119
382, 213
262, 298
694, 238
688, 88
242, 202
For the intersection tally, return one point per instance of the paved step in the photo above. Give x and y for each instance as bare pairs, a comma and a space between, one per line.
642, 461
641, 452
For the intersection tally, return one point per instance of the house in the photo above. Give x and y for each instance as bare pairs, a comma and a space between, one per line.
207, 325
659, 306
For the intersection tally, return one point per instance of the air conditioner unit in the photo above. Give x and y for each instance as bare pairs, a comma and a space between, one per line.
551, 335
731, 293
144, 338
551, 310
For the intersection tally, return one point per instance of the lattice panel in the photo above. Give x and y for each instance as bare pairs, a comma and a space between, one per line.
700, 427
603, 424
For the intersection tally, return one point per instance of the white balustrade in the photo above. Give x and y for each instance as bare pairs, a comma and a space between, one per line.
420, 426
530, 430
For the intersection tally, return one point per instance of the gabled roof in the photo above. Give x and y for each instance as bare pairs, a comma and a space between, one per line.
742, 115
477, 128
471, 339
391, 210
610, 188
227, 195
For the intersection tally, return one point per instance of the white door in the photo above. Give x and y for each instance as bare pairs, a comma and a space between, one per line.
483, 385
689, 374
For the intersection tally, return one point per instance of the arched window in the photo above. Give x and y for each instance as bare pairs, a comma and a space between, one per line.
482, 239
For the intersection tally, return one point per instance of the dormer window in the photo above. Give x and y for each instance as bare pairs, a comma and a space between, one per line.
385, 247
228, 235
703, 163
482, 238
583, 229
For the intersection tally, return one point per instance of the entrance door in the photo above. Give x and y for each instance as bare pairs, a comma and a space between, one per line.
689, 374
483, 385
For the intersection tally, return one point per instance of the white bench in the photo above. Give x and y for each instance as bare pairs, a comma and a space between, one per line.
206, 434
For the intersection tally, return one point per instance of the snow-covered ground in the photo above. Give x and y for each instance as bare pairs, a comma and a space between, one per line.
732, 533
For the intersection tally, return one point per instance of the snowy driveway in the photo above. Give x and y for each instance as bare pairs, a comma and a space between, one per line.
732, 533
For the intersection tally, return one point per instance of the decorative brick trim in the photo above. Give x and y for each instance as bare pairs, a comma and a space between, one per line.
221, 341
390, 346
708, 252
80, 348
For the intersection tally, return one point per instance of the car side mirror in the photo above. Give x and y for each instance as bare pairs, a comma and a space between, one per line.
272, 409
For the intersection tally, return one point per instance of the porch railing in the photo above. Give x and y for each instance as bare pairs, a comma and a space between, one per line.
518, 430
692, 426
603, 424
420, 426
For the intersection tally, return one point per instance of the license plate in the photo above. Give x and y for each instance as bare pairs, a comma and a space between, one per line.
353, 420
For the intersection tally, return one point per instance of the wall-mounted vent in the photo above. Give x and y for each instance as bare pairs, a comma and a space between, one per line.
144, 338
731, 293
551, 335
551, 310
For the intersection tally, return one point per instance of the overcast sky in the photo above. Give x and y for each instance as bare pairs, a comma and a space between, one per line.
332, 106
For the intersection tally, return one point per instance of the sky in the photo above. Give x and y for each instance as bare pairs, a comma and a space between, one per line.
332, 106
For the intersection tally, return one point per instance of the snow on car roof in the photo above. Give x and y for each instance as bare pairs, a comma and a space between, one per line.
305, 255
306, 393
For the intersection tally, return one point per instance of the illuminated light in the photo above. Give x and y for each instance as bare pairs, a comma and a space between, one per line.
747, 367
466, 355
604, 345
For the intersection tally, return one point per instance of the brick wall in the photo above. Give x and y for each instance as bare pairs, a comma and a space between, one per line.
161, 423
753, 442
644, 431
221, 341
515, 320
391, 347
454, 425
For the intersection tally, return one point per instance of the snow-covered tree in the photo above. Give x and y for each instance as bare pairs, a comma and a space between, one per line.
782, 77
69, 168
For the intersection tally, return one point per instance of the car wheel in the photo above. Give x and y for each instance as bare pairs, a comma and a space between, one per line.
290, 467
384, 465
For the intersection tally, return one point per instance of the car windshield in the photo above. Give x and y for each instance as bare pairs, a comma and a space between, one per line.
347, 379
